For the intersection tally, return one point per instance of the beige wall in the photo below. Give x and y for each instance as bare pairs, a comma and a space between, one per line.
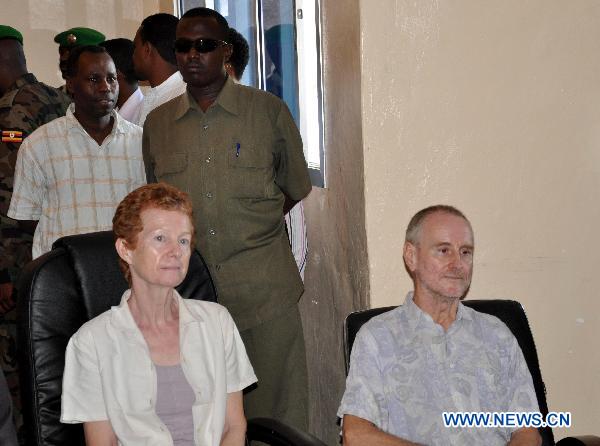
337, 280
40, 20
485, 105
493, 107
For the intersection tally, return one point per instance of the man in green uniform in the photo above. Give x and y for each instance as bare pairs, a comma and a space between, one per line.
237, 151
71, 38
25, 104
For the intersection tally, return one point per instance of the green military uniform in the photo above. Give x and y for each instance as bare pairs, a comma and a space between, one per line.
25, 106
238, 161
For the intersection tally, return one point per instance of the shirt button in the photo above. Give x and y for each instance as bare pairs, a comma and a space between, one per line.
212, 232
205, 127
208, 159
209, 195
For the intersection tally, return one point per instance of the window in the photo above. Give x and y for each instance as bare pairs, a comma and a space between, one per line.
285, 59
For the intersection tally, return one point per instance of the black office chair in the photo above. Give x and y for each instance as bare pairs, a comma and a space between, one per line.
512, 314
59, 291
276, 433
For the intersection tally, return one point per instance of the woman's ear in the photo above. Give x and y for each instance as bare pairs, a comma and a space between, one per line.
123, 250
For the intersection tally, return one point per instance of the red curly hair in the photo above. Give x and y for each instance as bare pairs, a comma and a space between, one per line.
127, 222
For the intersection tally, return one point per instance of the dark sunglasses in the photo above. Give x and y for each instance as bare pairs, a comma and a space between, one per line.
201, 45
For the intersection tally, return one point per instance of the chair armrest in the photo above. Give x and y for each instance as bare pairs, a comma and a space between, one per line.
583, 440
276, 433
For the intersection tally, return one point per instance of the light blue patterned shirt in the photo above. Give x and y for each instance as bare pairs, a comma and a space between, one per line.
406, 370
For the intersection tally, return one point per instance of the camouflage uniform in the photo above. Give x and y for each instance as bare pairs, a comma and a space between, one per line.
63, 89
25, 106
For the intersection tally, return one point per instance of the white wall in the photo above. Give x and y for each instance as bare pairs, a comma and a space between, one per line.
493, 107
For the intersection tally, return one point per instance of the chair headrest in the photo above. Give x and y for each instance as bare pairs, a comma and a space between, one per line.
94, 259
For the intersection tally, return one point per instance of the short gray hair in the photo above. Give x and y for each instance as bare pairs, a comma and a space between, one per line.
414, 226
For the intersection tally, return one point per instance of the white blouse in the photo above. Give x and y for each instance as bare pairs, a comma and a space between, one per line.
109, 374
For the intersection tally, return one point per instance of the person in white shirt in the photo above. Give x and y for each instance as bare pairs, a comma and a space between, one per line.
129, 103
72, 172
154, 61
157, 369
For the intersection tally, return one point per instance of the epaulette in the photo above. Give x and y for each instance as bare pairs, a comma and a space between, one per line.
8, 99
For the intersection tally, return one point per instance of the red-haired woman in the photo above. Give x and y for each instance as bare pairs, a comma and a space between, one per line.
157, 369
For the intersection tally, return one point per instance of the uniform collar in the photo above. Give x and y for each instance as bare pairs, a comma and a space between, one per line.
227, 99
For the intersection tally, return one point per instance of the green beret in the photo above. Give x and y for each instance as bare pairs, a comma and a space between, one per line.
8, 32
79, 36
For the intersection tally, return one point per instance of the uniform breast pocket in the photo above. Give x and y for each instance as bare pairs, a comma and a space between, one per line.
172, 169
250, 172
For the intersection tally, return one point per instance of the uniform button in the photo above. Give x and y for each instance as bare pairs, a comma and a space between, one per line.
205, 127
208, 159
209, 195
212, 232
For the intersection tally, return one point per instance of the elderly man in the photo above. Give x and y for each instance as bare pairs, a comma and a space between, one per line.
434, 355
72, 172
238, 153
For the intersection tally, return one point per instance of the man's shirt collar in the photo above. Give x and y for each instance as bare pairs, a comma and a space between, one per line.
418, 319
166, 85
227, 99
73, 123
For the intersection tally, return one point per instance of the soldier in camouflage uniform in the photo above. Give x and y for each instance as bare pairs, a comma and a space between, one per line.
25, 104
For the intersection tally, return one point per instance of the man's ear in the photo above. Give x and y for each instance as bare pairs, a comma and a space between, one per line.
123, 251
410, 256
227, 54
148, 49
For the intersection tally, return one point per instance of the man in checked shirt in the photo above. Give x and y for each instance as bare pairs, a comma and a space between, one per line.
72, 172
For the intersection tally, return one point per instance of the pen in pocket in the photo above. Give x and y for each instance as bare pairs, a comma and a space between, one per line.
237, 149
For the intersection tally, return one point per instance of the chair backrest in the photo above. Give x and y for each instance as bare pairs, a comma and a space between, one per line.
508, 311
59, 291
